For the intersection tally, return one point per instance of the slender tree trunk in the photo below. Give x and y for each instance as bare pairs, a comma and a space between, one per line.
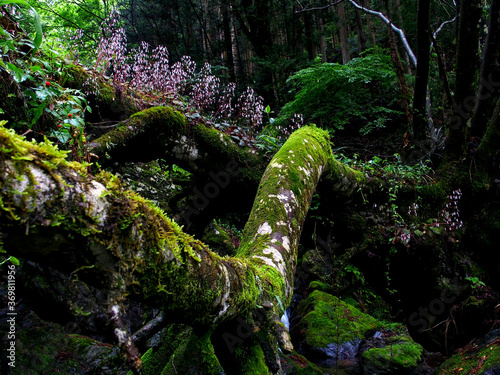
467, 64
359, 29
308, 35
228, 40
489, 79
366, 4
422, 75
404, 88
344, 37
442, 73
398, 17
489, 148
322, 42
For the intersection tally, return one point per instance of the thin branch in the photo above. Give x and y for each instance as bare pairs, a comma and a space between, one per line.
318, 8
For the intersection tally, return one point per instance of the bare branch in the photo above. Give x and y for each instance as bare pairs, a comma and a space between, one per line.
441, 27
387, 21
319, 8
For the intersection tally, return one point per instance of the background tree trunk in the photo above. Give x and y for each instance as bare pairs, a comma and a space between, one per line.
344, 37
366, 4
422, 74
467, 63
488, 93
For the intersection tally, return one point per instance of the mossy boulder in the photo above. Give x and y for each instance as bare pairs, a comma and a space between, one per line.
398, 355
480, 356
329, 327
43, 347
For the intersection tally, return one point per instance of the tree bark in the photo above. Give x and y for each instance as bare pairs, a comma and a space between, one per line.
228, 42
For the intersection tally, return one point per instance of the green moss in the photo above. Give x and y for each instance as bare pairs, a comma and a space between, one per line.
156, 120
219, 240
326, 319
181, 351
74, 76
473, 359
252, 359
296, 364
319, 285
402, 353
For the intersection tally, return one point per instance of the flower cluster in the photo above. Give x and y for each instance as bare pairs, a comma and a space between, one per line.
225, 107
250, 108
450, 215
205, 89
405, 237
413, 209
295, 123
150, 72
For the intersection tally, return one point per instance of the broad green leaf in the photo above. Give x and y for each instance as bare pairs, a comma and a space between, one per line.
38, 112
38, 30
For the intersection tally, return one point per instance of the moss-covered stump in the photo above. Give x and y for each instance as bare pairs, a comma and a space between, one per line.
398, 355
481, 356
330, 328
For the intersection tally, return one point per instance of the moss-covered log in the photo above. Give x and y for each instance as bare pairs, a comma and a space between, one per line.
130, 247
162, 132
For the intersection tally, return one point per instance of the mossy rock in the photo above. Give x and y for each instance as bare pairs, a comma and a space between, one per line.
478, 357
329, 327
181, 351
45, 348
400, 355
296, 364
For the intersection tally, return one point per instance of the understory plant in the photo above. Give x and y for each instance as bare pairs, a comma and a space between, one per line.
361, 94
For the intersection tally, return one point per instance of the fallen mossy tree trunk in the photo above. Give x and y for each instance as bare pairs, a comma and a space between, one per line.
123, 243
162, 132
